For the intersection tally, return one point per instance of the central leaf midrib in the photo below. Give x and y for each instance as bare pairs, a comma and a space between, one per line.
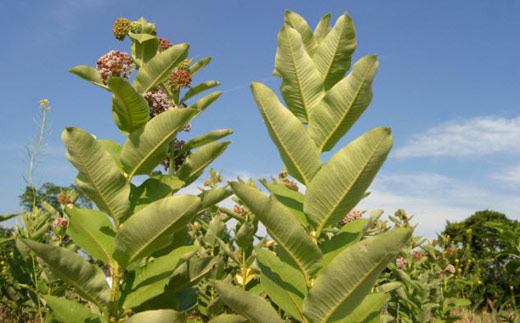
300, 87
100, 246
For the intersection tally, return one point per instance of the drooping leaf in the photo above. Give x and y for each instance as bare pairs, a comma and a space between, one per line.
204, 139
249, 305
245, 235
159, 316
129, 108
298, 152
297, 22
334, 294
197, 66
93, 232
291, 199
158, 68
322, 29
147, 147
284, 284
343, 104
69, 311
215, 227
342, 181
88, 280
90, 74
199, 88
369, 311
144, 48
99, 176
283, 227
197, 161
192, 271
214, 195
153, 189
302, 86
149, 229
334, 53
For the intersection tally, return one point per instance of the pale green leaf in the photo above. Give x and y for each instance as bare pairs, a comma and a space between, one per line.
334, 53
158, 316
197, 161
93, 232
192, 271
369, 310
215, 228
150, 229
213, 196
129, 108
249, 305
199, 88
284, 284
322, 29
147, 147
88, 280
302, 86
114, 149
342, 181
203, 103
204, 139
283, 227
341, 287
69, 311
99, 176
144, 48
297, 22
90, 74
199, 65
153, 189
343, 104
291, 199
159, 68
229, 318
296, 148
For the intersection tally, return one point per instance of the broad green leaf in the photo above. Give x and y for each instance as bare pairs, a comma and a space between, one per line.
204, 139
114, 149
227, 250
215, 228
342, 181
199, 88
129, 108
333, 55
284, 284
93, 232
203, 103
343, 104
158, 316
296, 148
69, 311
192, 271
283, 227
249, 305
199, 65
229, 318
88, 280
90, 74
158, 68
144, 48
149, 280
302, 86
99, 176
369, 310
214, 195
245, 235
291, 199
197, 161
297, 22
149, 229
153, 189
350, 233
322, 29
388, 287
147, 147
341, 287
5, 217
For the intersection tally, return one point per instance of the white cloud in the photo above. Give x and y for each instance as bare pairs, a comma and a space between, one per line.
508, 176
475, 137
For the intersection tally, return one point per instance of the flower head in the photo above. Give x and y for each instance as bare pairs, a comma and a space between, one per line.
351, 216
121, 28
401, 263
180, 78
164, 43
158, 101
60, 223
114, 64
450, 268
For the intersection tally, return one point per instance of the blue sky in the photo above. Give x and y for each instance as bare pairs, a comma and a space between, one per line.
447, 85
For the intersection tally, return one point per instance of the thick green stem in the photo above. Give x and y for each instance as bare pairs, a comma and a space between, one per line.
114, 294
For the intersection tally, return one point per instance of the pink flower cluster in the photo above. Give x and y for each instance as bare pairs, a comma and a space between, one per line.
158, 101
60, 223
351, 216
180, 78
114, 64
164, 43
401, 263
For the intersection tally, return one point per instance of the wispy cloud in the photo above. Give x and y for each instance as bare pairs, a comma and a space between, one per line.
508, 176
475, 137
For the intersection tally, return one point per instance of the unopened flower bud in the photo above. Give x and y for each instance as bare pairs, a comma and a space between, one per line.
180, 78
121, 28
60, 223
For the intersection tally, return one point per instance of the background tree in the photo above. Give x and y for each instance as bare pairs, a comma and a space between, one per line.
49, 192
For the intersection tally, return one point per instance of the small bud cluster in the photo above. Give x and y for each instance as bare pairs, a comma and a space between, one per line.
401, 263
184, 65
351, 216
114, 64
180, 78
136, 27
289, 184
63, 199
121, 28
239, 209
164, 43
417, 255
450, 268
158, 101
60, 223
